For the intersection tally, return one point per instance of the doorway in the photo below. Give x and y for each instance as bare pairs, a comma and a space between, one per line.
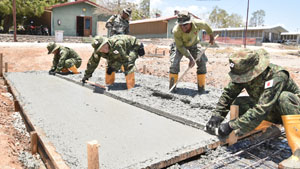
83, 25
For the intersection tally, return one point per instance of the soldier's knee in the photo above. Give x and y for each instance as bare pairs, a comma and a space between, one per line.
284, 97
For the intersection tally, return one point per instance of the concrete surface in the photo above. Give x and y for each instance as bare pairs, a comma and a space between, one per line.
129, 137
185, 103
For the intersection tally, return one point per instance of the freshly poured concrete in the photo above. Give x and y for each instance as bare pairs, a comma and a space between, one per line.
71, 115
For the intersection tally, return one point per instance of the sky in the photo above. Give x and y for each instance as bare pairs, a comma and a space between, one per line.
285, 13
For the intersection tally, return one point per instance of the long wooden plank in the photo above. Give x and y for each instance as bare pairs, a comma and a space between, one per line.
51, 158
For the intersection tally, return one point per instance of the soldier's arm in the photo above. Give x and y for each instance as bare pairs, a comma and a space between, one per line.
231, 91
201, 25
92, 65
63, 56
54, 62
120, 46
109, 22
254, 116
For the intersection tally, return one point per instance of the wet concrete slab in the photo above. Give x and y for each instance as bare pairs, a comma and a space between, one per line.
129, 137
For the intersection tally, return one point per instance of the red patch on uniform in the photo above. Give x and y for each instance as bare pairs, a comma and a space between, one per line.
269, 84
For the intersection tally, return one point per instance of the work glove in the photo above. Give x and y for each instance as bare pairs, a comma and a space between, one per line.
225, 129
109, 70
214, 122
84, 79
141, 50
52, 73
51, 70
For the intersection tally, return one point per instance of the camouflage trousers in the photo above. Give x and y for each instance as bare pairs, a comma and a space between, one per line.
176, 56
72, 61
287, 104
129, 65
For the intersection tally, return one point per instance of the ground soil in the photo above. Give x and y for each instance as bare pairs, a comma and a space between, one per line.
33, 56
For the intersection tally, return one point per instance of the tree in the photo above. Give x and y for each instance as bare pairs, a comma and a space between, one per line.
258, 18
154, 12
145, 8
27, 8
219, 18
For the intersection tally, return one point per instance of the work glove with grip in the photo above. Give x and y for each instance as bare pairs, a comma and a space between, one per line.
109, 70
213, 123
52, 73
51, 70
84, 79
225, 129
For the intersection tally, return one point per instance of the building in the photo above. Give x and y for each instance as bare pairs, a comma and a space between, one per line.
160, 27
255, 35
293, 37
76, 18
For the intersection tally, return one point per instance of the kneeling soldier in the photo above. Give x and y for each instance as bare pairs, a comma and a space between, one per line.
273, 98
119, 51
64, 61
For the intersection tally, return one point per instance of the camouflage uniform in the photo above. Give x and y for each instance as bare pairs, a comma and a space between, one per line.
272, 93
65, 58
123, 51
188, 42
117, 25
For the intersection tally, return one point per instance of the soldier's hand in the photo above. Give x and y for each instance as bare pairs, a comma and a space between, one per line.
51, 70
191, 63
84, 79
211, 39
109, 70
225, 129
52, 73
213, 123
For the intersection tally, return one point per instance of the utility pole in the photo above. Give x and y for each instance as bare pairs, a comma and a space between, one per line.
15, 20
245, 39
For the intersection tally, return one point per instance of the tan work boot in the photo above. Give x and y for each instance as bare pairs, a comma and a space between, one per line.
292, 130
64, 70
173, 80
201, 83
73, 69
130, 81
263, 125
109, 79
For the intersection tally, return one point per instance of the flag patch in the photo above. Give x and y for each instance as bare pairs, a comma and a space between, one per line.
269, 84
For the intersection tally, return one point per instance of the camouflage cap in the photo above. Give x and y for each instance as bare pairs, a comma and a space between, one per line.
246, 65
127, 11
98, 42
52, 46
183, 17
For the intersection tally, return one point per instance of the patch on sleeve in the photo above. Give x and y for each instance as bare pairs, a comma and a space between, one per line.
116, 52
269, 84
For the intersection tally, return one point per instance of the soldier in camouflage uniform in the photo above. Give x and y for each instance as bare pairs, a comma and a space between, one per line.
119, 24
118, 50
186, 36
65, 60
273, 98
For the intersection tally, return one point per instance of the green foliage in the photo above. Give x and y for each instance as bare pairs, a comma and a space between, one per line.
258, 18
145, 8
219, 18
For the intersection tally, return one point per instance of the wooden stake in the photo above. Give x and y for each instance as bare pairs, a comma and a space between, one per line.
144, 69
34, 140
93, 155
6, 67
155, 51
234, 113
164, 53
17, 106
1, 64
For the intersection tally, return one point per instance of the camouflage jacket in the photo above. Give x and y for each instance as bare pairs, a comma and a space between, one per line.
264, 96
63, 54
118, 25
183, 40
123, 50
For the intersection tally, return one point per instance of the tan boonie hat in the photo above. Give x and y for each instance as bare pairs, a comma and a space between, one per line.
246, 65
127, 11
98, 42
52, 46
183, 17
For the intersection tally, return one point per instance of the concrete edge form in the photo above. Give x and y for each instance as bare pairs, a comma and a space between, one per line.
47, 151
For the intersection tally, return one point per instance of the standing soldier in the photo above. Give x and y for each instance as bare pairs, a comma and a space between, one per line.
273, 98
64, 61
118, 50
186, 35
119, 24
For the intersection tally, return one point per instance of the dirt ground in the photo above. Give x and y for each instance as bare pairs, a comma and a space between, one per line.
33, 56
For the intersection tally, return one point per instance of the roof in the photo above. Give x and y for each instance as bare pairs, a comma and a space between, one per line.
80, 1
279, 28
158, 19
290, 33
